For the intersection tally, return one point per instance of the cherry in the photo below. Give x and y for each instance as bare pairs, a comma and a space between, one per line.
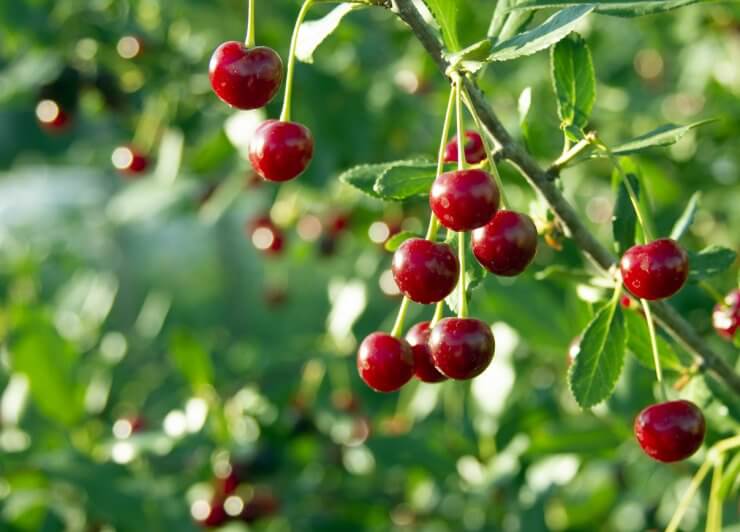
217, 515
129, 161
474, 150
262, 504
280, 151
418, 339
671, 431
506, 244
464, 200
655, 270
425, 271
265, 235
384, 362
461, 347
52, 117
726, 317
245, 78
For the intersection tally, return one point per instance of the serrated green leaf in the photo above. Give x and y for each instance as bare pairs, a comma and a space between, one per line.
474, 274
624, 219
709, 262
394, 242
548, 33
687, 217
638, 342
664, 135
574, 80
445, 13
471, 58
363, 177
404, 179
191, 358
621, 8
312, 33
597, 367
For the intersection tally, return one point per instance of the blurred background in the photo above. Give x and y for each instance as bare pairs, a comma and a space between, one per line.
177, 337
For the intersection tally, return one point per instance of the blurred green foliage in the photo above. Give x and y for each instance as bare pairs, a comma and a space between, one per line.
128, 303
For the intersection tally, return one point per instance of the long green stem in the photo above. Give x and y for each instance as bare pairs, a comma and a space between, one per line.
714, 509
285, 114
433, 222
249, 40
462, 310
401, 317
653, 343
489, 151
438, 313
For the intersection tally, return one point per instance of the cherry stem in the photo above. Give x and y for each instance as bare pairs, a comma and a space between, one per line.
488, 150
571, 152
713, 455
653, 344
714, 508
249, 40
433, 222
438, 313
285, 114
400, 318
462, 310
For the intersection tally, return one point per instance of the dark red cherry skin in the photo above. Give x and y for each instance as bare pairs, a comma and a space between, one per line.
726, 317
671, 431
474, 150
656, 270
262, 504
507, 244
217, 515
384, 362
464, 200
280, 151
462, 348
245, 78
425, 271
418, 338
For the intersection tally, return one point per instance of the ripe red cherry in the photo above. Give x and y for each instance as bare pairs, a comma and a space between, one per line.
280, 151
426, 272
461, 347
464, 200
129, 161
655, 270
384, 362
216, 516
245, 78
52, 117
506, 244
726, 317
418, 339
265, 235
670, 431
474, 150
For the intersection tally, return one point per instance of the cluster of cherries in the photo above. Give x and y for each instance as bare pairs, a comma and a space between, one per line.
426, 271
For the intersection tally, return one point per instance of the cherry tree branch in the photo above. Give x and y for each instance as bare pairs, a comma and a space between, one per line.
511, 151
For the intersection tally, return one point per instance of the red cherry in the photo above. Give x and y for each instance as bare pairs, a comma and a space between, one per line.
280, 151
464, 200
670, 431
52, 117
656, 270
228, 485
726, 317
461, 347
129, 161
262, 504
418, 339
506, 244
426, 272
246, 78
217, 515
474, 150
265, 235
384, 362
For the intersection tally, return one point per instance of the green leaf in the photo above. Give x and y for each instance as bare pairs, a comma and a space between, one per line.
687, 217
473, 57
363, 177
404, 179
664, 135
622, 8
624, 219
394, 242
474, 274
192, 359
548, 33
597, 367
314, 32
445, 13
574, 80
709, 262
638, 342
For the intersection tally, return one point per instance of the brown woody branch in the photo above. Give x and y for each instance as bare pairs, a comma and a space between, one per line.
511, 151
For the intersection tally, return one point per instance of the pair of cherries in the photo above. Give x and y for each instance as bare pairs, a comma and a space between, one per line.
456, 348
249, 78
